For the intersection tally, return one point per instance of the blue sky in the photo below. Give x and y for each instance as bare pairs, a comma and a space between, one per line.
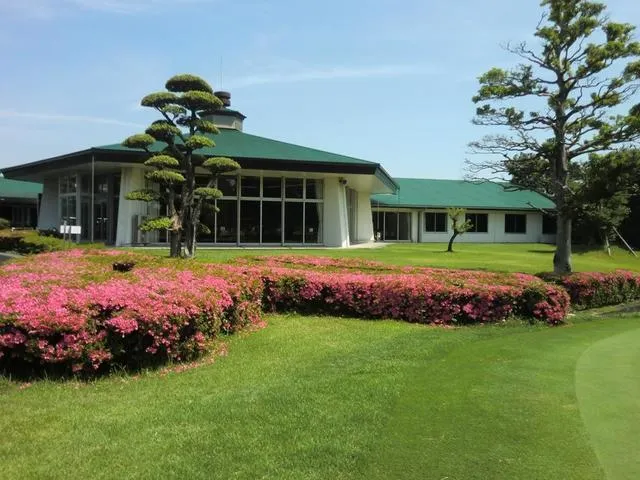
381, 80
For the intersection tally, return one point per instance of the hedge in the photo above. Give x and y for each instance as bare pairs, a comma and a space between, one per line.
64, 313
593, 289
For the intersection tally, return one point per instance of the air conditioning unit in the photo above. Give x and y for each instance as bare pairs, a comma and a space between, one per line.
137, 236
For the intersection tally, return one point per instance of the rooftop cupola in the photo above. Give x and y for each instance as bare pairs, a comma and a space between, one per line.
225, 117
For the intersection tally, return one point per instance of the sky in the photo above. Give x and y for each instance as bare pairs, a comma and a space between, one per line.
383, 80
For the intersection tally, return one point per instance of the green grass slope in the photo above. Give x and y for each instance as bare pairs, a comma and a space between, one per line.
317, 398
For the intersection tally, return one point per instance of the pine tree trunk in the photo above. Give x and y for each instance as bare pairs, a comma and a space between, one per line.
453, 237
562, 257
174, 244
607, 245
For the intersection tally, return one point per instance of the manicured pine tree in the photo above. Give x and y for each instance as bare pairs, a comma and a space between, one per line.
175, 144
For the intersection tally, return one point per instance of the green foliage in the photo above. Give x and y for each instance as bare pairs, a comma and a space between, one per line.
198, 101
140, 140
206, 126
159, 99
4, 224
196, 142
143, 195
220, 165
162, 161
158, 223
207, 192
32, 242
458, 222
163, 131
165, 177
187, 82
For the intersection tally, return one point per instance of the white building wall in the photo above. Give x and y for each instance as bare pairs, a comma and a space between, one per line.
49, 216
495, 233
336, 223
132, 178
365, 223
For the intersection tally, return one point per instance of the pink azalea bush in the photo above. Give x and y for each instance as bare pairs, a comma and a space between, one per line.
71, 311
594, 289
418, 297
64, 309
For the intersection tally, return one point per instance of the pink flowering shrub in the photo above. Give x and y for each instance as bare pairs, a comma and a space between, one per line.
418, 298
593, 289
69, 309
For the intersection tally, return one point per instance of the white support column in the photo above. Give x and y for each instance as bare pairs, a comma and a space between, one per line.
132, 178
365, 219
336, 222
49, 216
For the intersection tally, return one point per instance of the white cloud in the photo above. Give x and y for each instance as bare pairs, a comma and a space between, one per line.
333, 73
56, 118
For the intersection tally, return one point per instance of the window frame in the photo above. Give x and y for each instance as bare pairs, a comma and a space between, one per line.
475, 223
515, 217
435, 222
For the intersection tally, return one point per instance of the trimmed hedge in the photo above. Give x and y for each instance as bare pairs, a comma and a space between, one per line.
417, 298
593, 289
30, 242
63, 313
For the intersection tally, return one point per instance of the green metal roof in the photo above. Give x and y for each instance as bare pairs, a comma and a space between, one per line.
236, 144
18, 189
425, 193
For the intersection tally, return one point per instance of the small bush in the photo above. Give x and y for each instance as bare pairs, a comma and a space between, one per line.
593, 289
4, 224
31, 242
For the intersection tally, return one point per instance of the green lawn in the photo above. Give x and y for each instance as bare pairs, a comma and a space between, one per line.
529, 258
319, 398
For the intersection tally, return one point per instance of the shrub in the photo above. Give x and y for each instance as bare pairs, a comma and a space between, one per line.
593, 289
28, 242
415, 298
64, 313
4, 224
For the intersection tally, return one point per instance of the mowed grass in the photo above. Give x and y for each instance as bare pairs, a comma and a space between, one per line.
527, 258
318, 398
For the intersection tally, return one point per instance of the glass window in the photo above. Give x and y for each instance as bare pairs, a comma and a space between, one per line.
404, 226
207, 219
315, 189
227, 225
85, 183
313, 223
377, 223
435, 222
228, 185
294, 187
250, 221
271, 222
515, 223
68, 209
549, 225
250, 187
479, 222
272, 187
293, 222
390, 226
68, 184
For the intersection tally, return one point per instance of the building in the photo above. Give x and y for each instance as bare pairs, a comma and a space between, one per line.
19, 202
285, 194
417, 212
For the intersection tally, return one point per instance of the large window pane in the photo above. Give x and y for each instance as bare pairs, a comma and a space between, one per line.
272, 187
227, 226
271, 222
228, 185
390, 226
377, 223
405, 226
250, 186
208, 220
249, 221
69, 210
293, 187
549, 225
293, 222
515, 223
313, 223
479, 222
314, 189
